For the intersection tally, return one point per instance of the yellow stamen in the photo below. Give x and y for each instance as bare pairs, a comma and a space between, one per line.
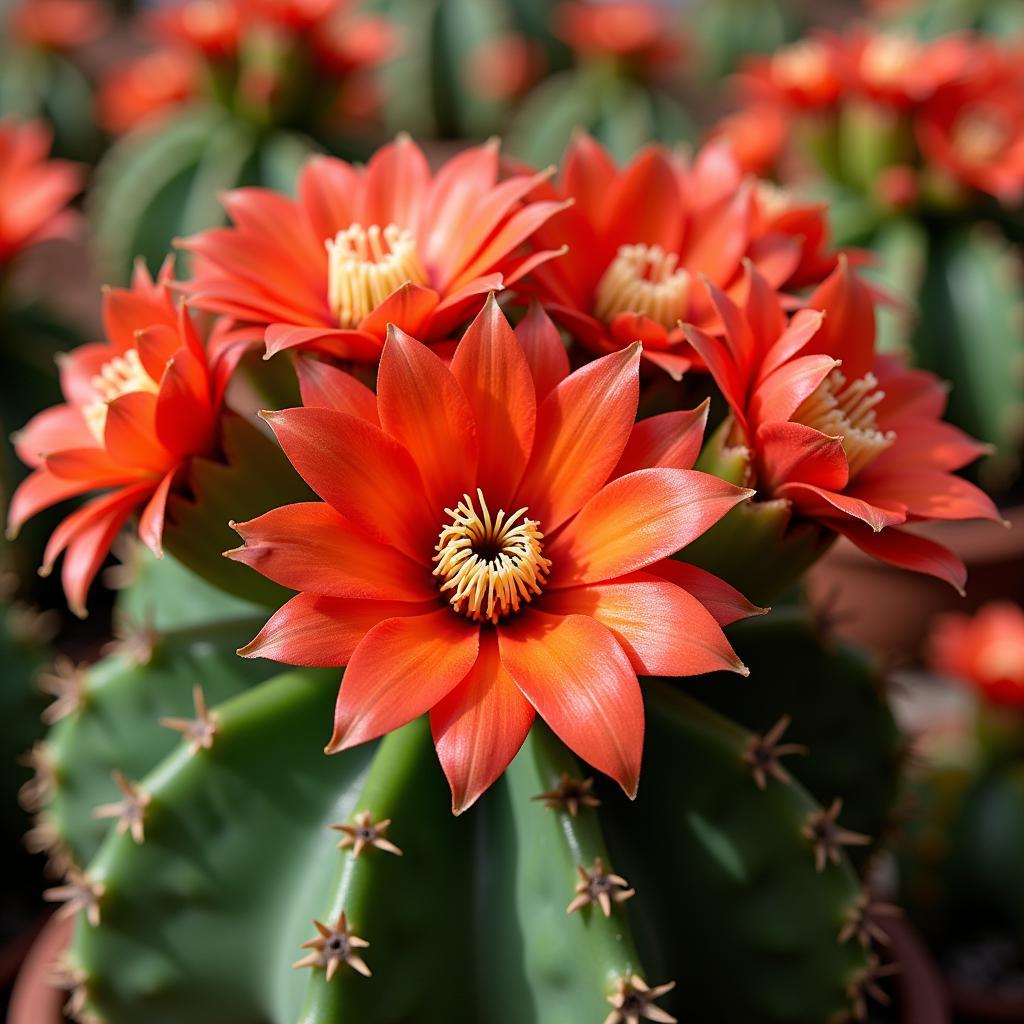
644, 279
800, 65
847, 410
122, 375
365, 265
490, 567
887, 57
980, 137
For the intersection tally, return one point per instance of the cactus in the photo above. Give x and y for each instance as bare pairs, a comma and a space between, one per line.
199, 897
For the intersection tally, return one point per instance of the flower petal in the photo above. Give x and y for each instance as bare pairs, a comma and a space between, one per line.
577, 676
327, 387
582, 429
366, 475
399, 670
664, 630
544, 350
636, 520
151, 522
480, 726
52, 430
184, 418
130, 433
908, 551
791, 452
315, 630
671, 440
423, 408
495, 378
310, 547
724, 602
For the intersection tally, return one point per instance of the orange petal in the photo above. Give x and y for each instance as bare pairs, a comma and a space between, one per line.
664, 630
480, 726
724, 602
423, 408
671, 440
492, 371
582, 429
52, 430
636, 520
399, 670
309, 546
318, 631
544, 349
130, 433
366, 475
327, 387
151, 522
577, 676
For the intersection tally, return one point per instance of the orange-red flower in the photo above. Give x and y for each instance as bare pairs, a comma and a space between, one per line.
362, 248
209, 27
640, 240
805, 75
494, 542
852, 440
640, 31
137, 408
985, 650
57, 24
145, 87
34, 191
973, 128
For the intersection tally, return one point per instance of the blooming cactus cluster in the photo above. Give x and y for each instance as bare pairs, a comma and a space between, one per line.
938, 116
503, 529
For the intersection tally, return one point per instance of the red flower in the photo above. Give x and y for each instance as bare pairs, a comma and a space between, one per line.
494, 541
640, 31
145, 87
757, 136
861, 450
985, 650
640, 239
34, 191
974, 128
137, 407
58, 25
805, 75
209, 27
363, 248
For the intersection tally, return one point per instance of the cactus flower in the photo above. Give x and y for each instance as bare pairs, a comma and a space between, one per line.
985, 650
494, 542
137, 407
363, 248
641, 238
850, 439
34, 191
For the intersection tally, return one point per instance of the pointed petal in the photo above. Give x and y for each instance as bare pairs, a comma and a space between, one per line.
495, 378
819, 503
184, 414
480, 726
724, 602
544, 350
423, 408
793, 452
130, 433
782, 392
366, 475
151, 522
577, 676
663, 629
52, 430
636, 520
582, 429
399, 670
671, 440
356, 345
395, 185
327, 387
848, 330
318, 631
908, 551
309, 546
408, 307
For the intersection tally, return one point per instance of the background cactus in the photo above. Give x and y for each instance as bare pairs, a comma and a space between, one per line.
238, 857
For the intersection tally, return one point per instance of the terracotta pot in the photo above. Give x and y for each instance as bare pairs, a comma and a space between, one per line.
922, 992
888, 610
35, 1000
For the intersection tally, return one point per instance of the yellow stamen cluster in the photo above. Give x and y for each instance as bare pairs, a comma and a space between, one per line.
800, 64
122, 375
979, 137
887, 56
644, 279
490, 566
846, 409
365, 265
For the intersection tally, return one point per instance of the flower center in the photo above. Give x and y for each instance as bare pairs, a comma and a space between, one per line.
365, 265
887, 56
122, 375
800, 65
847, 409
979, 136
490, 566
644, 279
